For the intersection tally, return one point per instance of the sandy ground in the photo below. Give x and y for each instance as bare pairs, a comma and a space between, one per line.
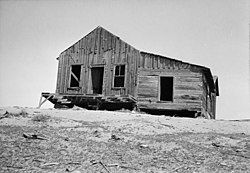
79, 140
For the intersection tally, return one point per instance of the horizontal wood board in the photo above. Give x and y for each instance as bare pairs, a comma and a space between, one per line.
187, 89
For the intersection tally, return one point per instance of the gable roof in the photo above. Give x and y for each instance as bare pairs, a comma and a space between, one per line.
94, 30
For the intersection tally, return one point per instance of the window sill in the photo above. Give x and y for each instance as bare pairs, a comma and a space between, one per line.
117, 88
161, 101
74, 88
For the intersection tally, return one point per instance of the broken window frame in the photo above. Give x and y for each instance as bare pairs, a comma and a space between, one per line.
76, 77
121, 74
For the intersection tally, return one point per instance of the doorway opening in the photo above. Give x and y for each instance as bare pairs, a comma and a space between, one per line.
166, 88
97, 79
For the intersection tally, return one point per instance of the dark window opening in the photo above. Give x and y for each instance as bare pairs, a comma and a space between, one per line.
75, 75
119, 76
166, 93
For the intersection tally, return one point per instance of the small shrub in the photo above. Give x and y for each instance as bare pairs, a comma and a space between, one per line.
40, 118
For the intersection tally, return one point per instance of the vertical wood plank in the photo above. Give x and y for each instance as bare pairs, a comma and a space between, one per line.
58, 75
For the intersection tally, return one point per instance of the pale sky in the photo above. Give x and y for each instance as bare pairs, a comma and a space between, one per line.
211, 33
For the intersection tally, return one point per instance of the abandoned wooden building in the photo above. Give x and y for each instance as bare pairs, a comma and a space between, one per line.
101, 71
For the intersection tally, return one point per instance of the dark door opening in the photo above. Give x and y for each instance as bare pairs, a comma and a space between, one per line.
166, 90
97, 79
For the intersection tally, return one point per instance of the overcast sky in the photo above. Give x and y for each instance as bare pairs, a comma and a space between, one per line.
211, 33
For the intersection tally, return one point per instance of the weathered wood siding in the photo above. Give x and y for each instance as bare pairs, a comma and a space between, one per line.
208, 99
187, 84
99, 48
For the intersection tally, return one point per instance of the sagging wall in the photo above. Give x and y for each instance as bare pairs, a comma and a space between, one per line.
99, 48
187, 84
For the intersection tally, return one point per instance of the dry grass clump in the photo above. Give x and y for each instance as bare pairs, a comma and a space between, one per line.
40, 118
7, 114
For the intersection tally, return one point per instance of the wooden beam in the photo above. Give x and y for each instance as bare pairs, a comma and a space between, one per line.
75, 77
42, 102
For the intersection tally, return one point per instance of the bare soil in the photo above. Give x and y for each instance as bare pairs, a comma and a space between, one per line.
78, 140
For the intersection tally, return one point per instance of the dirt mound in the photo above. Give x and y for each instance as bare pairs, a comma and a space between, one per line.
78, 140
